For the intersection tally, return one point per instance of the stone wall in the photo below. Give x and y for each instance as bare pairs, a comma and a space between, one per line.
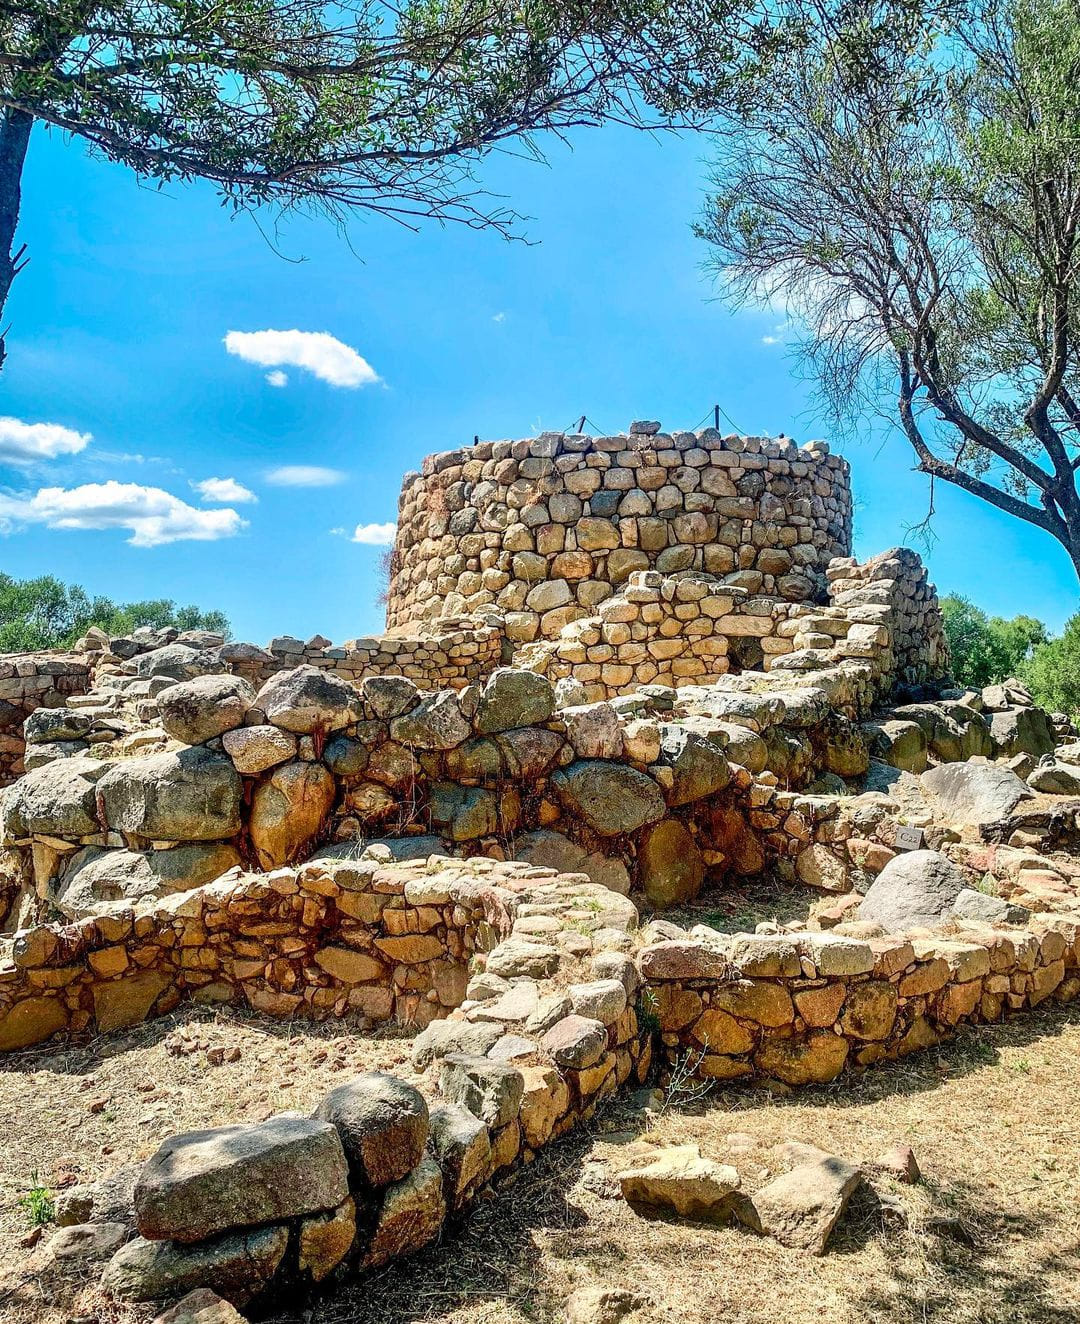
802, 1007
29, 681
545, 529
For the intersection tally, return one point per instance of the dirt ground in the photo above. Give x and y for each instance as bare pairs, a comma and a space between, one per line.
994, 1119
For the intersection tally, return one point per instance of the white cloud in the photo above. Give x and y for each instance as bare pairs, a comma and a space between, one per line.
25, 443
305, 475
374, 535
316, 351
153, 515
778, 334
499, 317
277, 378
222, 490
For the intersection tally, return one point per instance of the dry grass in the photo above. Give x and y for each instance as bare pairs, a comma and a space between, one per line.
994, 1120
732, 908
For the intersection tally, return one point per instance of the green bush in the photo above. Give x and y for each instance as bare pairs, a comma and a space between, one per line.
986, 649
1053, 671
46, 613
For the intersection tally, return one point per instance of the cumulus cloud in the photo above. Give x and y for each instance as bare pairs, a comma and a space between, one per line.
220, 491
277, 378
305, 475
318, 352
499, 317
26, 443
152, 515
374, 535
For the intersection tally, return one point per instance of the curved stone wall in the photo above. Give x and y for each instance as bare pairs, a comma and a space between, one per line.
545, 529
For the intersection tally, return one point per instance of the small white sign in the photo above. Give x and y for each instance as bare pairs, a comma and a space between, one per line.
909, 838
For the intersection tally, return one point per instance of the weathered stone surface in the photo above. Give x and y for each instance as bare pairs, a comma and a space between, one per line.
184, 795
204, 1182
47, 725
902, 744
382, 1123
389, 696
201, 1307
987, 909
517, 957
670, 867
237, 1266
869, 1010
412, 1213
58, 799
1022, 731
969, 794
612, 798
679, 1179
513, 698
288, 810
602, 1000
325, 1240
110, 1199
462, 1146
31, 1021
801, 1207
253, 749
489, 1089
953, 731
177, 662
554, 850
699, 767
195, 711
914, 890
575, 1041
94, 877
435, 723
817, 1060
447, 1038
1055, 779
308, 699
127, 1001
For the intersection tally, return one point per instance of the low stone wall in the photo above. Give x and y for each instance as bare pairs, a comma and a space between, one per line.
802, 1007
29, 681
546, 528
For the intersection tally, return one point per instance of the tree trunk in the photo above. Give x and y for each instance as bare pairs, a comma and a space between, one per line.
15, 128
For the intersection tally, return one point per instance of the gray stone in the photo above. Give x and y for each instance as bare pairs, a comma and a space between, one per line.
237, 1266
969, 794
613, 799
195, 711
953, 731
345, 756
201, 1307
389, 696
1055, 779
671, 869
45, 726
489, 1089
411, 1215
700, 767
516, 957
914, 890
801, 1207
513, 698
576, 1041
602, 1000
58, 800
93, 877
82, 1244
110, 1199
203, 1182
987, 909
177, 662
436, 723
901, 744
447, 1038
382, 1124
1022, 731
462, 1146
182, 795
467, 812
308, 699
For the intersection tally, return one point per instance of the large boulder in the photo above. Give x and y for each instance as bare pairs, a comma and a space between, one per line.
901, 744
253, 749
44, 726
288, 810
954, 732
182, 795
436, 723
58, 800
915, 890
1054, 778
699, 767
512, 698
237, 1266
383, 1126
670, 866
968, 794
554, 850
195, 711
1021, 731
611, 798
205, 1182
94, 877
177, 662
307, 699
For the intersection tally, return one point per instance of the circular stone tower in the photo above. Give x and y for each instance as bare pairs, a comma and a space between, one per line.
545, 529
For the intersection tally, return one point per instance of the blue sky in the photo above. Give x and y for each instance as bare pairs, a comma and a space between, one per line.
119, 326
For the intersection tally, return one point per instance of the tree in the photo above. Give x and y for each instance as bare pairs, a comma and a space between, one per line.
987, 649
352, 105
46, 613
1053, 673
912, 195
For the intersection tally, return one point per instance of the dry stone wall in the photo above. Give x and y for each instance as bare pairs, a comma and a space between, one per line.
29, 681
547, 528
